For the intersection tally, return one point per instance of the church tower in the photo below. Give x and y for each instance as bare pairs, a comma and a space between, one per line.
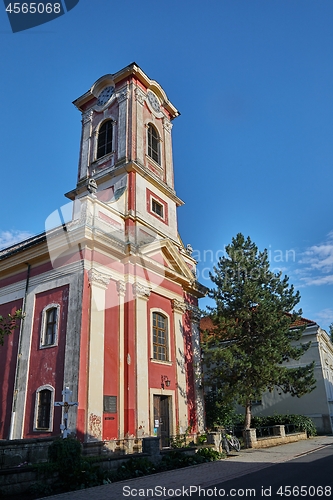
126, 186
111, 296
126, 145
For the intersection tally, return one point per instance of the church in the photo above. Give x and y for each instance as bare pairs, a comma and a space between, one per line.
109, 291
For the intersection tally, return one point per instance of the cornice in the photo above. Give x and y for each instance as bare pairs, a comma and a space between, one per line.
136, 71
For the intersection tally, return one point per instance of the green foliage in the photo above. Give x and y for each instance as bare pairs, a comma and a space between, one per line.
252, 338
300, 422
219, 412
134, 467
209, 454
74, 472
9, 323
180, 440
70, 471
201, 438
177, 459
40, 488
65, 453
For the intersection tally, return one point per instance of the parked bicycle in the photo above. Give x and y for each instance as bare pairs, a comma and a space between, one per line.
229, 441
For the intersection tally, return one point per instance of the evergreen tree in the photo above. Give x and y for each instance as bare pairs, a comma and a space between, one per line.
247, 350
9, 323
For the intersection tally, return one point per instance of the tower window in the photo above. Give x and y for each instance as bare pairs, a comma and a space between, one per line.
153, 144
157, 208
104, 145
43, 413
160, 337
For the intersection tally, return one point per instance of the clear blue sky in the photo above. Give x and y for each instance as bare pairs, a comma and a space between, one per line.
253, 146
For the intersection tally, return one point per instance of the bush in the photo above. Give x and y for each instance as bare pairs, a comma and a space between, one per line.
300, 422
209, 454
65, 452
134, 467
176, 460
74, 472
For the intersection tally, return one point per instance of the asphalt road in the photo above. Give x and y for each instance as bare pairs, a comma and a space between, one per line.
308, 476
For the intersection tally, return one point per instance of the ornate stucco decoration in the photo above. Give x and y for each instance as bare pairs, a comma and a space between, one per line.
86, 116
121, 287
139, 96
123, 95
92, 186
179, 306
195, 313
189, 249
167, 125
97, 278
141, 290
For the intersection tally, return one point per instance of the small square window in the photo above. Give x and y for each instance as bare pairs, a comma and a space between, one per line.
157, 208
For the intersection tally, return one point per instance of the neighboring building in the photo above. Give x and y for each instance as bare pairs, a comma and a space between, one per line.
110, 297
318, 404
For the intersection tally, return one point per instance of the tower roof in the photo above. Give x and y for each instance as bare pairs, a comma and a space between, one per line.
134, 70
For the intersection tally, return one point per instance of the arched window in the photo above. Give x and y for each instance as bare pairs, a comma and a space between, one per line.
49, 329
160, 337
104, 145
153, 144
43, 408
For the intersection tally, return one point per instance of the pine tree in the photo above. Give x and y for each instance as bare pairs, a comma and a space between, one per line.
248, 349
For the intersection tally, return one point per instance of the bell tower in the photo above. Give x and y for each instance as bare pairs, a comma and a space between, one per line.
140, 278
126, 148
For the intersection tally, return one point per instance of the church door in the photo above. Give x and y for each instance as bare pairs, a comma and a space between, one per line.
162, 418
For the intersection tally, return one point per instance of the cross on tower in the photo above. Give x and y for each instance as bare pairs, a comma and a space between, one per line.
65, 404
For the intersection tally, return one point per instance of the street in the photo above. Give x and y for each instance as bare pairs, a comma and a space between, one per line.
308, 476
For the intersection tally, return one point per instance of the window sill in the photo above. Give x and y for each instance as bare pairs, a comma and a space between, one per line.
102, 159
154, 162
161, 362
48, 346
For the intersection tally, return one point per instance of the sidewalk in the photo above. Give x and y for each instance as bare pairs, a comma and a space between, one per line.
203, 475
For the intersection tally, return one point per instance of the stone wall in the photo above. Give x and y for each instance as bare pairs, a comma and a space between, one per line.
279, 437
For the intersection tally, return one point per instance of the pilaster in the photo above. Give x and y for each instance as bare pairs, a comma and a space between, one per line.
179, 308
198, 389
122, 98
98, 285
140, 129
141, 295
121, 288
167, 127
85, 143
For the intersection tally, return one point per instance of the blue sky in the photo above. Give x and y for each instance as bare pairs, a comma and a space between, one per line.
253, 147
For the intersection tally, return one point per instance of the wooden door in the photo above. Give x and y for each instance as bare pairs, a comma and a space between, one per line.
162, 419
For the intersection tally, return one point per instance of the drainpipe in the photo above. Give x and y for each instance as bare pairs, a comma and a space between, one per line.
19, 354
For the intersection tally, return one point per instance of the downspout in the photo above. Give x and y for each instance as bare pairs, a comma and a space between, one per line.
19, 354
